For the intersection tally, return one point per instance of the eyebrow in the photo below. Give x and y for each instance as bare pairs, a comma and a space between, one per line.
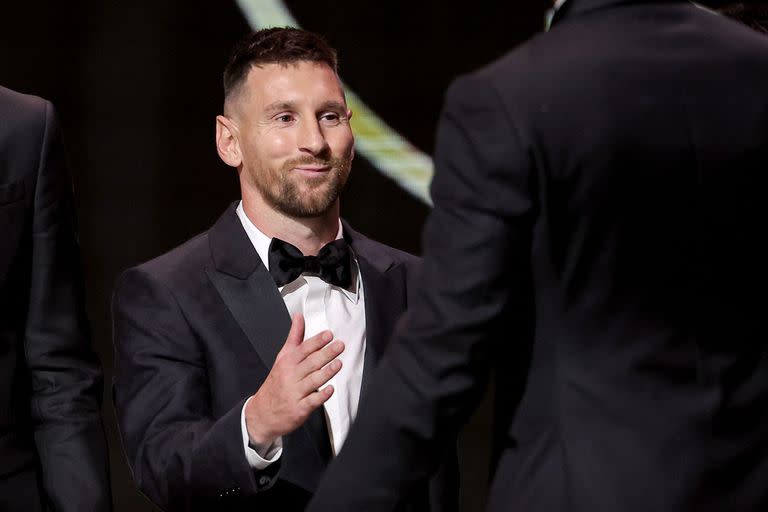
333, 105
279, 106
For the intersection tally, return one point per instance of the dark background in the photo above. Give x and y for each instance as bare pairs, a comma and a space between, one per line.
137, 87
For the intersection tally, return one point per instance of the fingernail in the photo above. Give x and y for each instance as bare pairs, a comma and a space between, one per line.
335, 365
338, 346
327, 336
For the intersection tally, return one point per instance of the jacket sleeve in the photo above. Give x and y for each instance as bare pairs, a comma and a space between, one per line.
179, 453
65, 373
474, 281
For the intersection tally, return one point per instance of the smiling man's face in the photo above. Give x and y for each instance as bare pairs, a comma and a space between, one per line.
295, 140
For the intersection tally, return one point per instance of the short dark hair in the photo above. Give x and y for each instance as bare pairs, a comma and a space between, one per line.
286, 45
752, 14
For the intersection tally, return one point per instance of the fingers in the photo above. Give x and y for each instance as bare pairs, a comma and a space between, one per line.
320, 358
315, 380
313, 344
317, 398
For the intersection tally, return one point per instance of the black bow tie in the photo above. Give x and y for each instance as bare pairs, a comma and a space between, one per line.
333, 264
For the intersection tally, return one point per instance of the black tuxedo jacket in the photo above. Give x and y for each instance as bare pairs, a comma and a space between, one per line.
599, 199
52, 448
196, 333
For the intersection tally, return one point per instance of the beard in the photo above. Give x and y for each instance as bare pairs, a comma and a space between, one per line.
300, 197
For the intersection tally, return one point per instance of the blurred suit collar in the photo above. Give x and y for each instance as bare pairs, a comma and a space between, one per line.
570, 8
551, 13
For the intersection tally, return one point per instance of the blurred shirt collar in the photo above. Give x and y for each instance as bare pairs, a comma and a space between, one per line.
551, 13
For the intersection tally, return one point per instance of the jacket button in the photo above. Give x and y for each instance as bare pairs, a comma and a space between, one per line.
264, 480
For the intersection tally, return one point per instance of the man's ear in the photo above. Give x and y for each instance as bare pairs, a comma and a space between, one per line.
227, 142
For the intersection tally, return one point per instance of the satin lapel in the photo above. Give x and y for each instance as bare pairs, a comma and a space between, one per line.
250, 294
246, 287
385, 301
258, 308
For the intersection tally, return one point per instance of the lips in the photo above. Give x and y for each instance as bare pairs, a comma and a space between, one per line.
312, 170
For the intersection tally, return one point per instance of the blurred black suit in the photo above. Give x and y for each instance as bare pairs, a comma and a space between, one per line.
52, 448
599, 204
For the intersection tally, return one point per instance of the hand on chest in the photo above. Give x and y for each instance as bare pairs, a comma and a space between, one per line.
327, 307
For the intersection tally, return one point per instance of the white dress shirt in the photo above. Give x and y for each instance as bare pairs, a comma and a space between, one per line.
324, 307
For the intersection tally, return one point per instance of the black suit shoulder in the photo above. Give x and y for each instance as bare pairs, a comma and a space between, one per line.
28, 123
575, 51
178, 264
20, 110
24, 119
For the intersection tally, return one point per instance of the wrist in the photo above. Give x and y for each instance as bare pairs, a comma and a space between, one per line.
259, 434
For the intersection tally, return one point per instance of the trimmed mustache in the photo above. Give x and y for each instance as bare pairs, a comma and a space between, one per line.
333, 163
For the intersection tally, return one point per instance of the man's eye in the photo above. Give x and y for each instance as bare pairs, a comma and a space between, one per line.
285, 118
331, 117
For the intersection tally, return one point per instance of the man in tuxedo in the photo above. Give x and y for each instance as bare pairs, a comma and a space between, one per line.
599, 196
52, 449
230, 393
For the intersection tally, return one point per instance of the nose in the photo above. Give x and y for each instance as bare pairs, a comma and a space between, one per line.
311, 139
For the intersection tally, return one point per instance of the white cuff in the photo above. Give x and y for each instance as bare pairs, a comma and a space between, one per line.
259, 457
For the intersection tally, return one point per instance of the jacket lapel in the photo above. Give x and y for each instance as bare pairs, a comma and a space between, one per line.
250, 294
247, 288
385, 297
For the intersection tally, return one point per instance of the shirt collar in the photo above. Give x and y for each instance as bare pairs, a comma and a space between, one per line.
261, 243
